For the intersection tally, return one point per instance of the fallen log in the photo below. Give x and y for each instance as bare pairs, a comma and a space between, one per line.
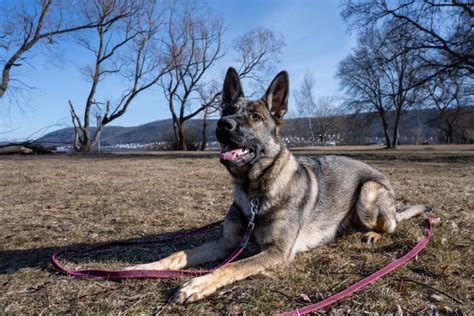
25, 148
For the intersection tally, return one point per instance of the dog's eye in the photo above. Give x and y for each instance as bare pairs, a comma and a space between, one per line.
255, 117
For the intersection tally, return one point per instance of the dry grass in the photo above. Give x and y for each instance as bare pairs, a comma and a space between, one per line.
49, 202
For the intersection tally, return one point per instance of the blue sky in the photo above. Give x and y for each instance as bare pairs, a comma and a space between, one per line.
316, 40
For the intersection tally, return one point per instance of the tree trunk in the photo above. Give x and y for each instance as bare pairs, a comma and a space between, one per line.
323, 136
83, 142
449, 132
396, 131
85, 146
311, 130
204, 129
388, 142
77, 144
181, 142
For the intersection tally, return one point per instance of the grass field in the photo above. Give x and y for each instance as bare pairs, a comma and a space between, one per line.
55, 201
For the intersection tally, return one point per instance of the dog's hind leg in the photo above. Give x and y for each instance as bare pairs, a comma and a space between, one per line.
377, 213
376, 210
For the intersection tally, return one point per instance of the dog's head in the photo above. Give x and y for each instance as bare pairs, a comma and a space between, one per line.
250, 130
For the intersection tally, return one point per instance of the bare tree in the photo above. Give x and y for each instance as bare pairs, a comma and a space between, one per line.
361, 76
400, 76
328, 121
210, 99
445, 36
424, 44
129, 47
193, 45
305, 103
24, 25
448, 95
257, 53
374, 80
319, 112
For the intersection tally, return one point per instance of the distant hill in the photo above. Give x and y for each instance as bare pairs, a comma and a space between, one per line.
143, 134
359, 128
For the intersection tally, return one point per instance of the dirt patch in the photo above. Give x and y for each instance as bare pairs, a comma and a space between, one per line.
51, 202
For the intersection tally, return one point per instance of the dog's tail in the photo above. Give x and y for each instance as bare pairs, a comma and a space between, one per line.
411, 211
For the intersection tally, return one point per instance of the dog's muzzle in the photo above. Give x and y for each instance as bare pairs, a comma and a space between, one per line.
234, 148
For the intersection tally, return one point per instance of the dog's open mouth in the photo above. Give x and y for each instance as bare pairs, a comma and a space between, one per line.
236, 154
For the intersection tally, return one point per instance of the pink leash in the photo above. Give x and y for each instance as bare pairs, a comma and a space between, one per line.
140, 274
371, 278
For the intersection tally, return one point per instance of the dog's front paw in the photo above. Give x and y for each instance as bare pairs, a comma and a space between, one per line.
194, 290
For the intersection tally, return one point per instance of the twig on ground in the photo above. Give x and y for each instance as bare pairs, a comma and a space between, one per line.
339, 283
160, 309
434, 289
284, 294
138, 298
105, 287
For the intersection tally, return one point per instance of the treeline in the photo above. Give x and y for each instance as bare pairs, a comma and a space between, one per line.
171, 46
417, 127
410, 54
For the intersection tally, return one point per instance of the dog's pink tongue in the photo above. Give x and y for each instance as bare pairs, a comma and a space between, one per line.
231, 154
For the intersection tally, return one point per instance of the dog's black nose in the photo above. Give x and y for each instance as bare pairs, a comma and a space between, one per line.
227, 123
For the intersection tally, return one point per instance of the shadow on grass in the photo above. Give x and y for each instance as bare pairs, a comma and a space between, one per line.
133, 251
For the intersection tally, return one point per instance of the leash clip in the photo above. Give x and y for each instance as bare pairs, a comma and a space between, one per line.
255, 205
254, 210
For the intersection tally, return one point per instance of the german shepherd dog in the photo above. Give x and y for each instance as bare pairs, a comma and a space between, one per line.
304, 202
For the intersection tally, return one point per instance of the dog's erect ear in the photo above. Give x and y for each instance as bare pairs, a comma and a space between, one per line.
277, 95
232, 89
